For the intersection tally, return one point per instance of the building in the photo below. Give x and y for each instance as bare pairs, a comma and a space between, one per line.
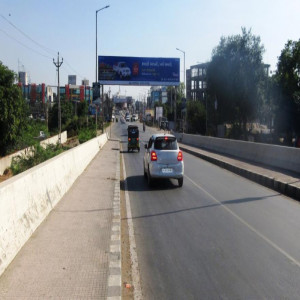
85, 82
72, 79
196, 83
77, 93
38, 97
37, 93
23, 78
158, 94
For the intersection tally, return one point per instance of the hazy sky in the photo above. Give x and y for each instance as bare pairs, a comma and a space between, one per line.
151, 28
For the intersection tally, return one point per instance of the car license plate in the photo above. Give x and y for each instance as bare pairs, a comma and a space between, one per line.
167, 170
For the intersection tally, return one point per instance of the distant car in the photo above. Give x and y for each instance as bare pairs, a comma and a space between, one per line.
164, 125
127, 118
135, 118
163, 159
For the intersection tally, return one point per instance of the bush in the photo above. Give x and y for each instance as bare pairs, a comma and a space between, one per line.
22, 163
86, 134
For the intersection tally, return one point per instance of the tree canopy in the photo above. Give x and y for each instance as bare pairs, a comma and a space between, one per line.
288, 80
234, 77
196, 116
13, 110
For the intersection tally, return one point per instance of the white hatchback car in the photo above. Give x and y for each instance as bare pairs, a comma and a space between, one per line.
163, 158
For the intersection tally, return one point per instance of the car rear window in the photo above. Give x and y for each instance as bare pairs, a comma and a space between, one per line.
165, 143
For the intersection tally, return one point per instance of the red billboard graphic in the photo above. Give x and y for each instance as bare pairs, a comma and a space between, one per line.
135, 69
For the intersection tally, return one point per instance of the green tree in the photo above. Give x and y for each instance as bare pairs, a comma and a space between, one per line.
196, 117
82, 109
13, 111
67, 114
172, 95
235, 76
288, 83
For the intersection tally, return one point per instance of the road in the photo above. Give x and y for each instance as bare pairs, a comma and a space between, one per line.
220, 236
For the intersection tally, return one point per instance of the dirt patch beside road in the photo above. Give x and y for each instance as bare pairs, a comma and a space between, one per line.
7, 174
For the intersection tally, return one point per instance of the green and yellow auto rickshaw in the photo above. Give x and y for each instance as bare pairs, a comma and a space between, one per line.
133, 138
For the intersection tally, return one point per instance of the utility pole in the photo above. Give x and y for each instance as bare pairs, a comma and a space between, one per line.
58, 65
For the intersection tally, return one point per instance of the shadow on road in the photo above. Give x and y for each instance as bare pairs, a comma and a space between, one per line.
139, 184
223, 203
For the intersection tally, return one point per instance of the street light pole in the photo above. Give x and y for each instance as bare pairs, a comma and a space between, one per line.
107, 6
184, 67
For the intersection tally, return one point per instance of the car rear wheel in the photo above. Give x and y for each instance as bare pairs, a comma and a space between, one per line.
180, 182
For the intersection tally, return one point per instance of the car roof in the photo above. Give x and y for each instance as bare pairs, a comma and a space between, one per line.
163, 135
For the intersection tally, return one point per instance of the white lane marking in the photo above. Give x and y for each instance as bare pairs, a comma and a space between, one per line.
137, 292
292, 259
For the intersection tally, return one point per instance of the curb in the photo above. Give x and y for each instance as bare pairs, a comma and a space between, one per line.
115, 271
284, 188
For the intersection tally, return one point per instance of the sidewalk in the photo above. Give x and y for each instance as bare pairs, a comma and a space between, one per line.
285, 182
75, 253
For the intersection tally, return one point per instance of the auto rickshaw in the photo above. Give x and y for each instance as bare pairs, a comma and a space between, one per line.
133, 138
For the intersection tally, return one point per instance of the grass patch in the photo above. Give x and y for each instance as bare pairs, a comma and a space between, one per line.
38, 155
86, 134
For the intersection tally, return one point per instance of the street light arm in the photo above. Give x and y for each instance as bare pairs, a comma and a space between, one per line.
180, 50
107, 6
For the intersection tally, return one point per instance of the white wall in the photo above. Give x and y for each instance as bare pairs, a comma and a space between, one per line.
5, 162
26, 199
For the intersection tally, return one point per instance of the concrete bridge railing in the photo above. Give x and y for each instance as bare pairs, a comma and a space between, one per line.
27, 198
286, 158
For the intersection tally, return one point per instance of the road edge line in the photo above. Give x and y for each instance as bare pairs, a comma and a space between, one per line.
115, 268
137, 292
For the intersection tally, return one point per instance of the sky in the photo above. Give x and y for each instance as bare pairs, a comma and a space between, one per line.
32, 32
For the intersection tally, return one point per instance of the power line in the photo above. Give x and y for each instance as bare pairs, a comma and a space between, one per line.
29, 48
38, 44
50, 51
74, 70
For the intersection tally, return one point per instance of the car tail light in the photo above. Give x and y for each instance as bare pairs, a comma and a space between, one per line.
129, 139
153, 156
166, 138
137, 139
180, 156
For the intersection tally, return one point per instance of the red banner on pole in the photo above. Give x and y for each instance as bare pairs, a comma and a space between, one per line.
33, 93
43, 92
67, 92
81, 93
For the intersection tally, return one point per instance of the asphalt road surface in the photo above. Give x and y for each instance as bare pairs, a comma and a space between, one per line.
220, 236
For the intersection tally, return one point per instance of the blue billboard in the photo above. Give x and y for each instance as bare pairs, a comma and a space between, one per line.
119, 70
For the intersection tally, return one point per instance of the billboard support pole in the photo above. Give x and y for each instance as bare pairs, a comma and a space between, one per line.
102, 105
175, 107
171, 99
